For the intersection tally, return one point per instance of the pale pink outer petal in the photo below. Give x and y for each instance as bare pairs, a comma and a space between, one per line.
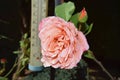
83, 41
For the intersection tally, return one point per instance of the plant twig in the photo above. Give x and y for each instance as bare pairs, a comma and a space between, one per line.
15, 64
21, 69
103, 68
16, 74
89, 54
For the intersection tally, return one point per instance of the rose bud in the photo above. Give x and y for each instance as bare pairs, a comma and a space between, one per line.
3, 60
83, 16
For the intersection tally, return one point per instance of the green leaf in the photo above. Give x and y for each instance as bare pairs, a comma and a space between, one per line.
24, 60
1, 36
89, 54
16, 52
65, 10
28, 50
86, 27
83, 27
3, 78
25, 35
21, 43
74, 19
4, 37
89, 29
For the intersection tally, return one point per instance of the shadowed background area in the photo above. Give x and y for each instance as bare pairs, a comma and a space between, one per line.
9, 27
104, 39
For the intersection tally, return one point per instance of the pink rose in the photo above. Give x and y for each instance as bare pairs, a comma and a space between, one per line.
61, 43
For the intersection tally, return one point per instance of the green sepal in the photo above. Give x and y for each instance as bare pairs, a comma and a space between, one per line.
74, 19
89, 54
89, 29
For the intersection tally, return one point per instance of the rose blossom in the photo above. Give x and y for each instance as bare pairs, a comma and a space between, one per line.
62, 44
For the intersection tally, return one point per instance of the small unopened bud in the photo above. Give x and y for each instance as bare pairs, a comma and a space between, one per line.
3, 60
83, 16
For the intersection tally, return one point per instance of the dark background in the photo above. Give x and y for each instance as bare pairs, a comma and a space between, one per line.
9, 27
104, 39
